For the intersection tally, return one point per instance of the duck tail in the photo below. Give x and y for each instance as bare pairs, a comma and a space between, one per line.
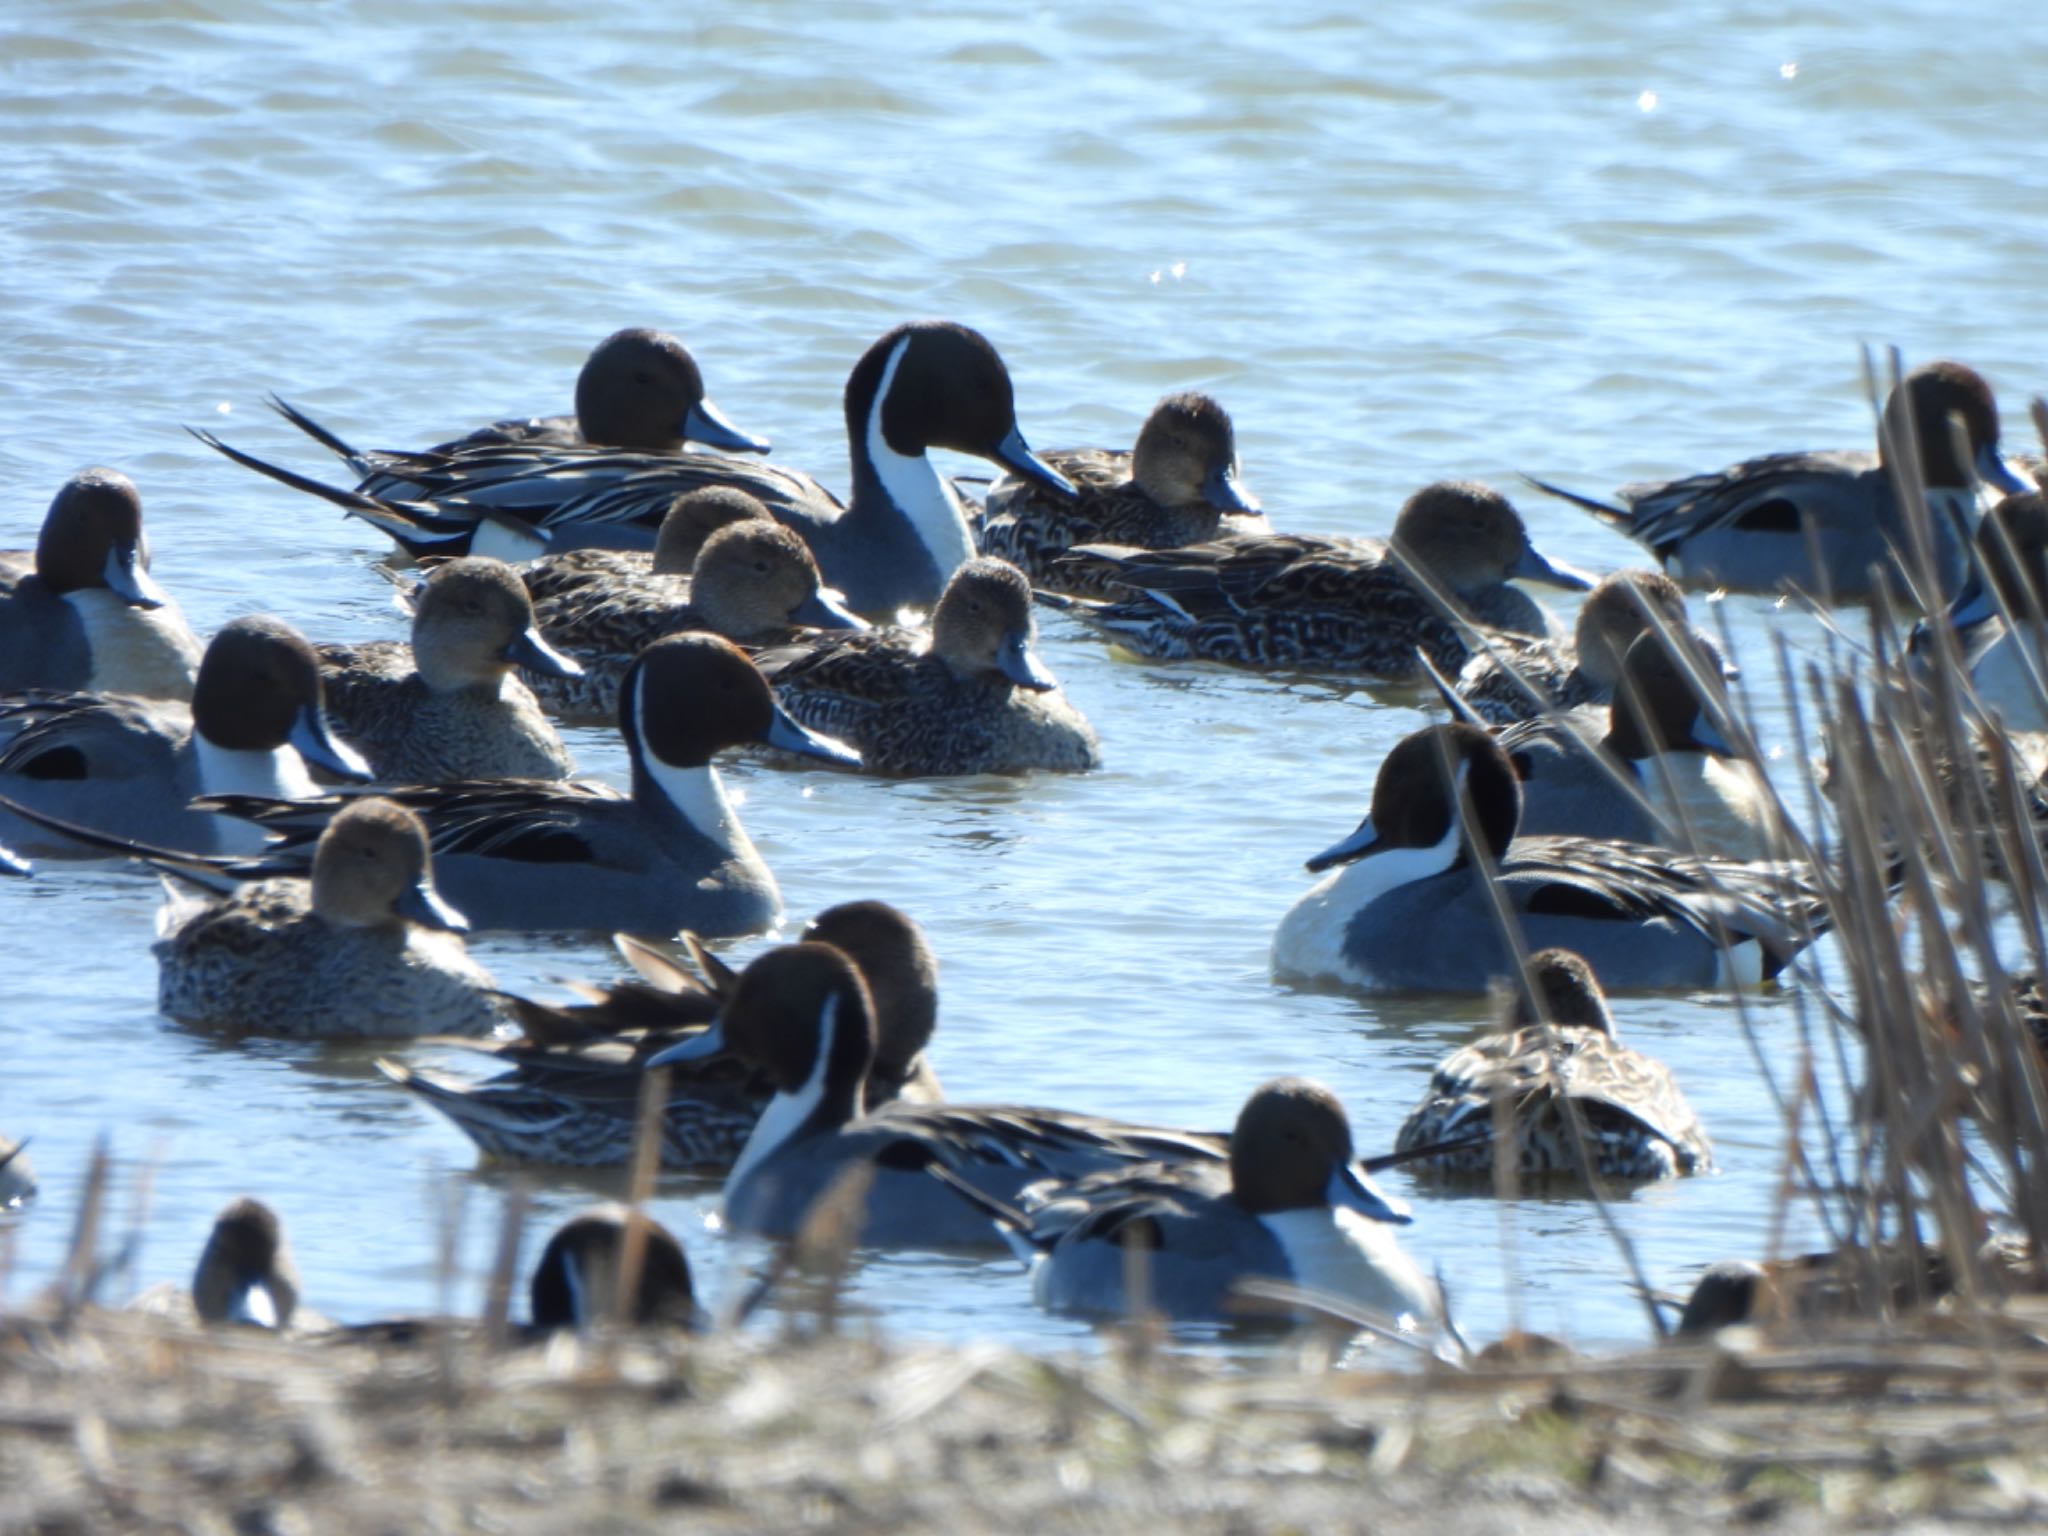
346, 452
1014, 1225
1614, 516
419, 528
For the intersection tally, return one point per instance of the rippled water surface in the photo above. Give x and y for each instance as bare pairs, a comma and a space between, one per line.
1584, 241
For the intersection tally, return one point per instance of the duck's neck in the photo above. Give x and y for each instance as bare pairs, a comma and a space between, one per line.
819, 1106
698, 796
279, 774
906, 485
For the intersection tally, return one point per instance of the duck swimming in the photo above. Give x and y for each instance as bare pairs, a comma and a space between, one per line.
1178, 485
1286, 601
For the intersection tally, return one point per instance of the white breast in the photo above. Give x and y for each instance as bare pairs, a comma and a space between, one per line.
915, 487
150, 651
1310, 942
1351, 1255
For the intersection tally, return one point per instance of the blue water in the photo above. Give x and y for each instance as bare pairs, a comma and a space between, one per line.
1587, 242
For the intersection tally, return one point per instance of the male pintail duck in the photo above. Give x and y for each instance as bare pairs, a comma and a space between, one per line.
2007, 667
639, 389
1557, 1058
802, 1014
579, 856
1747, 527
1520, 676
245, 1276
17, 1174
81, 610
1665, 772
576, 1283
1178, 485
969, 696
1291, 1205
570, 1095
131, 766
928, 384
449, 704
754, 583
685, 528
367, 949
1409, 910
1286, 601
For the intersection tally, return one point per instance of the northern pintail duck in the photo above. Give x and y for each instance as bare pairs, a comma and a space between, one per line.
449, 705
1409, 911
2008, 667
928, 384
969, 696
17, 1174
1518, 677
685, 529
576, 1283
1747, 527
245, 1276
1558, 1058
1178, 485
365, 949
1287, 601
802, 1014
1663, 773
571, 1091
1292, 1205
754, 582
130, 766
579, 856
82, 611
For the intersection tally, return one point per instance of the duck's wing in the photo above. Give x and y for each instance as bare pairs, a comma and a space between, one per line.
79, 735
534, 821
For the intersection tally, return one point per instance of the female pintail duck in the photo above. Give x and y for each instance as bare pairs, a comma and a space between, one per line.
686, 527
579, 856
82, 611
367, 949
245, 1276
576, 1283
1519, 677
802, 1014
1557, 1057
17, 1174
1178, 485
1747, 527
928, 384
1291, 1205
1665, 772
570, 1094
1285, 601
1409, 911
639, 389
970, 696
449, 705
131, 766
2008, 667
754, 583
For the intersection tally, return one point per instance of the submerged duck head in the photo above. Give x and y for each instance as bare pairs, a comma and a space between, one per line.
758, 577
1917, 416
1470, 537
1615, 612
1658, 706
576, 1282
245, 1272
690, 696
942, 385
92, 537
259, 689
1186, 455
693, 517
1415, 798
641, 389
1562, 990
983, 625
473, 623
889, 950
1291, 1150
373, 868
